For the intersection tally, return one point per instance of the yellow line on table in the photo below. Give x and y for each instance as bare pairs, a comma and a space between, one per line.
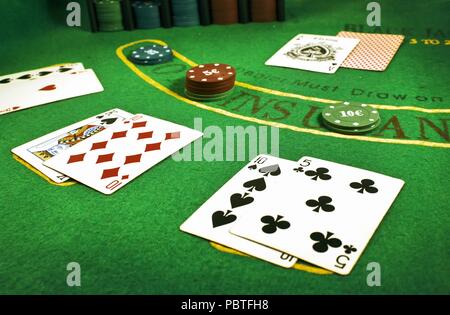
40, 174
149, 80
297, 266
326, 101
311, 98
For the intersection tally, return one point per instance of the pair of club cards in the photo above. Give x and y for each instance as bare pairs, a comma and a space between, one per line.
106, 151
46, 85
326, 54
279, 211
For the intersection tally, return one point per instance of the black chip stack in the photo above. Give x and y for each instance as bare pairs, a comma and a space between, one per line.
185, 13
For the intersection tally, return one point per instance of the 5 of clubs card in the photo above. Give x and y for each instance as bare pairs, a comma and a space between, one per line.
325, 216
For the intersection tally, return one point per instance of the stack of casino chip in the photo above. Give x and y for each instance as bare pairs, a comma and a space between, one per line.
350, 118
146, 14
152, 54
224, 11
109, 15
210, 82
185, 13
264, 10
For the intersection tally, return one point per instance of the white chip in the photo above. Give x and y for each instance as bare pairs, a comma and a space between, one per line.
192, 76
363, 105
220, 79
346, 103
216, 64
204, 80
337, 121
201, 66
355, 124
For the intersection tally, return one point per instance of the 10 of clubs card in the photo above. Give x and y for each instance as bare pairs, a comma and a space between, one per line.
326, 215
314, 53
37, 151
241, 194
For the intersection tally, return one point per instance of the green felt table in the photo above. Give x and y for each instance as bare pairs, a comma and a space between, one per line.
130, 242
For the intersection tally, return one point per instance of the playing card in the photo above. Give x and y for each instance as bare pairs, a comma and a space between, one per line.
111, 159
326, 217
314, 53
374, 51
6, 81
43, 148
225, 208
14, 84
48, 89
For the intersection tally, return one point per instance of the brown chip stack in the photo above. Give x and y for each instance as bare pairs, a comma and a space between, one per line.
224, 11
264, 10
210, 82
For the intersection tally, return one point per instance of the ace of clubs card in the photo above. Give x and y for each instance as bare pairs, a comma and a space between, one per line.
314, 53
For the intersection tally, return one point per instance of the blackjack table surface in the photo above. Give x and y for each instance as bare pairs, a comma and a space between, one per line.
130, 243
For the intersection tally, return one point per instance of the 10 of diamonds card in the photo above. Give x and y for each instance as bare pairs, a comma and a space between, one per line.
112, 158
39, 150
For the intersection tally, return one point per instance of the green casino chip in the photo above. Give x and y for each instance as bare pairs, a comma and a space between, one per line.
146, 14
350, 115
109, 15
352, 131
